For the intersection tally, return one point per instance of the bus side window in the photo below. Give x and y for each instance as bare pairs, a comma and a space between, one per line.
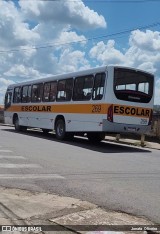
83, 88
87, 88
53, 91
37, 91
78, 93
17, 95
61, 90
65, 90
24, 93
69, 88
143, 87
98, 88
46, 92
50, 91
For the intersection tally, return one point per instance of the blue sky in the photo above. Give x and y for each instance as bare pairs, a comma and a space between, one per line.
121, 16
54, 24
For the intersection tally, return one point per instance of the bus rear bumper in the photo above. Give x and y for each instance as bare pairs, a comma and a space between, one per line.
124, 128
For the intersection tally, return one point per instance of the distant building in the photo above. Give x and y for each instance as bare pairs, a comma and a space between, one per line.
1, 108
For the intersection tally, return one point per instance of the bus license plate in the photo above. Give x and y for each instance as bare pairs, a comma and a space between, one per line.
131, 129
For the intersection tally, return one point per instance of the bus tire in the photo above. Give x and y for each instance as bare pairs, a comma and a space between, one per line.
17, 127
60, 129
95, 137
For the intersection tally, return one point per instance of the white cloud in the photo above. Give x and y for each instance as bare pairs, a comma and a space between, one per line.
106, 53
3, 87
4, 83
70, 37
74, 13
143, 53
148, 41
144, 50
13, 30
147, 66
41, 24
72, 60
19, 70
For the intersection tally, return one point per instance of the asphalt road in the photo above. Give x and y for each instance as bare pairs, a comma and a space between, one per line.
113, 176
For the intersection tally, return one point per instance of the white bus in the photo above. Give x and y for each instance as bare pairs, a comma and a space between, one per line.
108, 99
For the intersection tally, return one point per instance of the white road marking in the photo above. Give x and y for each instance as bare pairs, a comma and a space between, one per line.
7, 151
11, 157
31, 176
9, 165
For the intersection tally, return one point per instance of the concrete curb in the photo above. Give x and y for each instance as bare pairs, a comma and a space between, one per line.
151, 145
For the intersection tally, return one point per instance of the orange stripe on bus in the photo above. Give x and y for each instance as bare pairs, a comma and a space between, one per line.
61, 108
98, 108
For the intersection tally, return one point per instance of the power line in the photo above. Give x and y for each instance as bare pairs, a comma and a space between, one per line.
120, 1
106, 1
113, 35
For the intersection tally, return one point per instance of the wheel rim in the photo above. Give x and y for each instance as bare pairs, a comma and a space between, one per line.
60, 129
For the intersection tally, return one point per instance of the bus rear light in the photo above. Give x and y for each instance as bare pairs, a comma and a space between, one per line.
150, 118
110, 113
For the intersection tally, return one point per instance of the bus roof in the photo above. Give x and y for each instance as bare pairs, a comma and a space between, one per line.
71, 74
61, 76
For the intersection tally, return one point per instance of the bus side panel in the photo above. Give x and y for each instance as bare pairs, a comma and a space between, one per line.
74, 122
23, 119
83, 122
40, 120
8, 117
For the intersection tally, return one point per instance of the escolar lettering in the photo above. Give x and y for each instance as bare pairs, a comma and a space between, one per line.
37, 108
122, 110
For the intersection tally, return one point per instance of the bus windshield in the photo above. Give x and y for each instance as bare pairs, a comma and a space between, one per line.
132, 85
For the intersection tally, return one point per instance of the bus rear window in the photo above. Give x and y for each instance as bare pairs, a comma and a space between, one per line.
133, 86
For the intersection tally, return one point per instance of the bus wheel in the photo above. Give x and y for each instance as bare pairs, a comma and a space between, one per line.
95, 137
60, 129
16, 125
